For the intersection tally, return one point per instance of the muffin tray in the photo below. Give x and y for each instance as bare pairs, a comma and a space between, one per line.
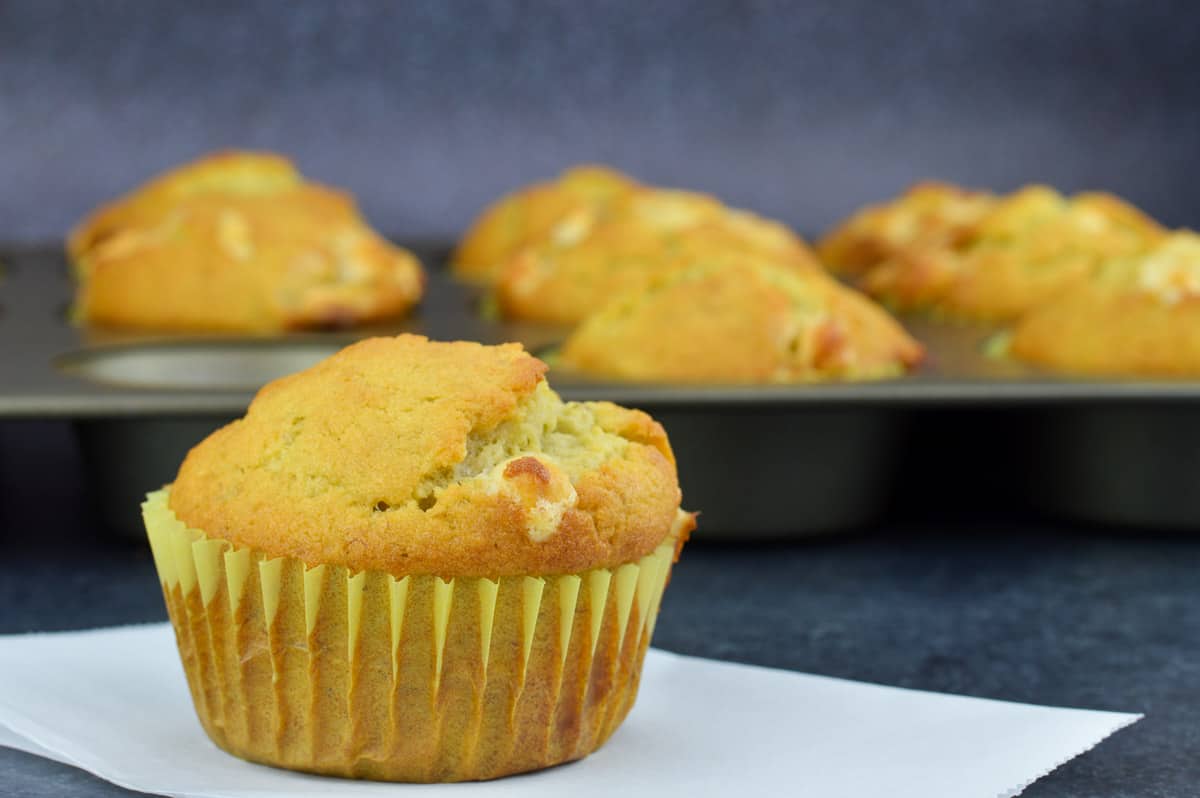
758, 461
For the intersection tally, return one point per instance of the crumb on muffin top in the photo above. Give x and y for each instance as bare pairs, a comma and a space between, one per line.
411, 456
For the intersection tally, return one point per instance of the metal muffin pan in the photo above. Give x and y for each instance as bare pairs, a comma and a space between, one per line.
758, 461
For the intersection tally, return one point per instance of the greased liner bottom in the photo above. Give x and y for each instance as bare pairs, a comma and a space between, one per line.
412, 679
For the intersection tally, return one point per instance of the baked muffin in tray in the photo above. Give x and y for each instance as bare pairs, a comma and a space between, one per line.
928, 216
237, 242
415, 562
740, 318
530, 214
592, 257
1020, 251
1137, 316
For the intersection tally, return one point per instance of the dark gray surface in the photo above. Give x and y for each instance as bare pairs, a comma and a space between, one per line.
429, 109
1013, 611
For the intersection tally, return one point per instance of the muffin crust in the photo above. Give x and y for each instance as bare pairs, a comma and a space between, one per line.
1136, 317
237, 241
529, 214
409, 456
592, 258
740, 319
928, 216
982, 258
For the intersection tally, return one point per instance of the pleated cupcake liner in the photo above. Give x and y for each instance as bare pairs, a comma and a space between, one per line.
414, 678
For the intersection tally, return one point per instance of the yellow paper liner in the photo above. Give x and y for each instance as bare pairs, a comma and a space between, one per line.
406, 679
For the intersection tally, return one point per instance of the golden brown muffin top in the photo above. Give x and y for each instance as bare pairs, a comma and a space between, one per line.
417, 457
591, 257
528, 214
237, 241
741, 319
929, 215
1137, 316
1026, 249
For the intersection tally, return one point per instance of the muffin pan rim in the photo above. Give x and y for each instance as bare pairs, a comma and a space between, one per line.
52, 369
731, 440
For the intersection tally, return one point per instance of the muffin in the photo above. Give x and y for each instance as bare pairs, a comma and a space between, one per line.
528, 215
415, 562
928, 216
590, 259
1023, 250
1137, 317
237, 242
741, 319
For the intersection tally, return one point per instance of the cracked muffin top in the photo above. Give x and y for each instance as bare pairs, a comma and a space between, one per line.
237, 241
410, 456
1138, 316
529, 214
590, 258
741, 319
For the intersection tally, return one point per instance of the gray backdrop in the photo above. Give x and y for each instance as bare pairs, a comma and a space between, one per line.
429, 109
